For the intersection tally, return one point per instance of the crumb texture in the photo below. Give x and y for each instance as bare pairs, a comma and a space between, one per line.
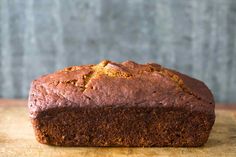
120, 104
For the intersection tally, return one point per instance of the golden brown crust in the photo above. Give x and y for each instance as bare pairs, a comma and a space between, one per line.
120, 85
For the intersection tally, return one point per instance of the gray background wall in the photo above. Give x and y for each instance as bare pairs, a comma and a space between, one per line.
197, 37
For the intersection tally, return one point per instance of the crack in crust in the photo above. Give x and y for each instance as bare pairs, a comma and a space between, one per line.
179, 82
86, 79
105, 68
118, 70
175, 78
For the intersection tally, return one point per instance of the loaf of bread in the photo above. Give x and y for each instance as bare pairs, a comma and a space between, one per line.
121, 104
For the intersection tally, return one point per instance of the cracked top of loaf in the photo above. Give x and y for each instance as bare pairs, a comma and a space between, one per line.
114, 84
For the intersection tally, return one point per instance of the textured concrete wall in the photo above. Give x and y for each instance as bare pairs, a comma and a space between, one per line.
197, 37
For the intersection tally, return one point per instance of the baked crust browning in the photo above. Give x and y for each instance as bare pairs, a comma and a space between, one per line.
120, 104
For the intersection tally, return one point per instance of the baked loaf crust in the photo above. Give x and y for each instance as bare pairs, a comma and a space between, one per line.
120, 104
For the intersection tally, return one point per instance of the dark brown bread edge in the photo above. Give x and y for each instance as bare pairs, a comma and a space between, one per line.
122, 126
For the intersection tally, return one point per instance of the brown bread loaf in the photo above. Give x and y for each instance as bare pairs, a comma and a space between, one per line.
120, 104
